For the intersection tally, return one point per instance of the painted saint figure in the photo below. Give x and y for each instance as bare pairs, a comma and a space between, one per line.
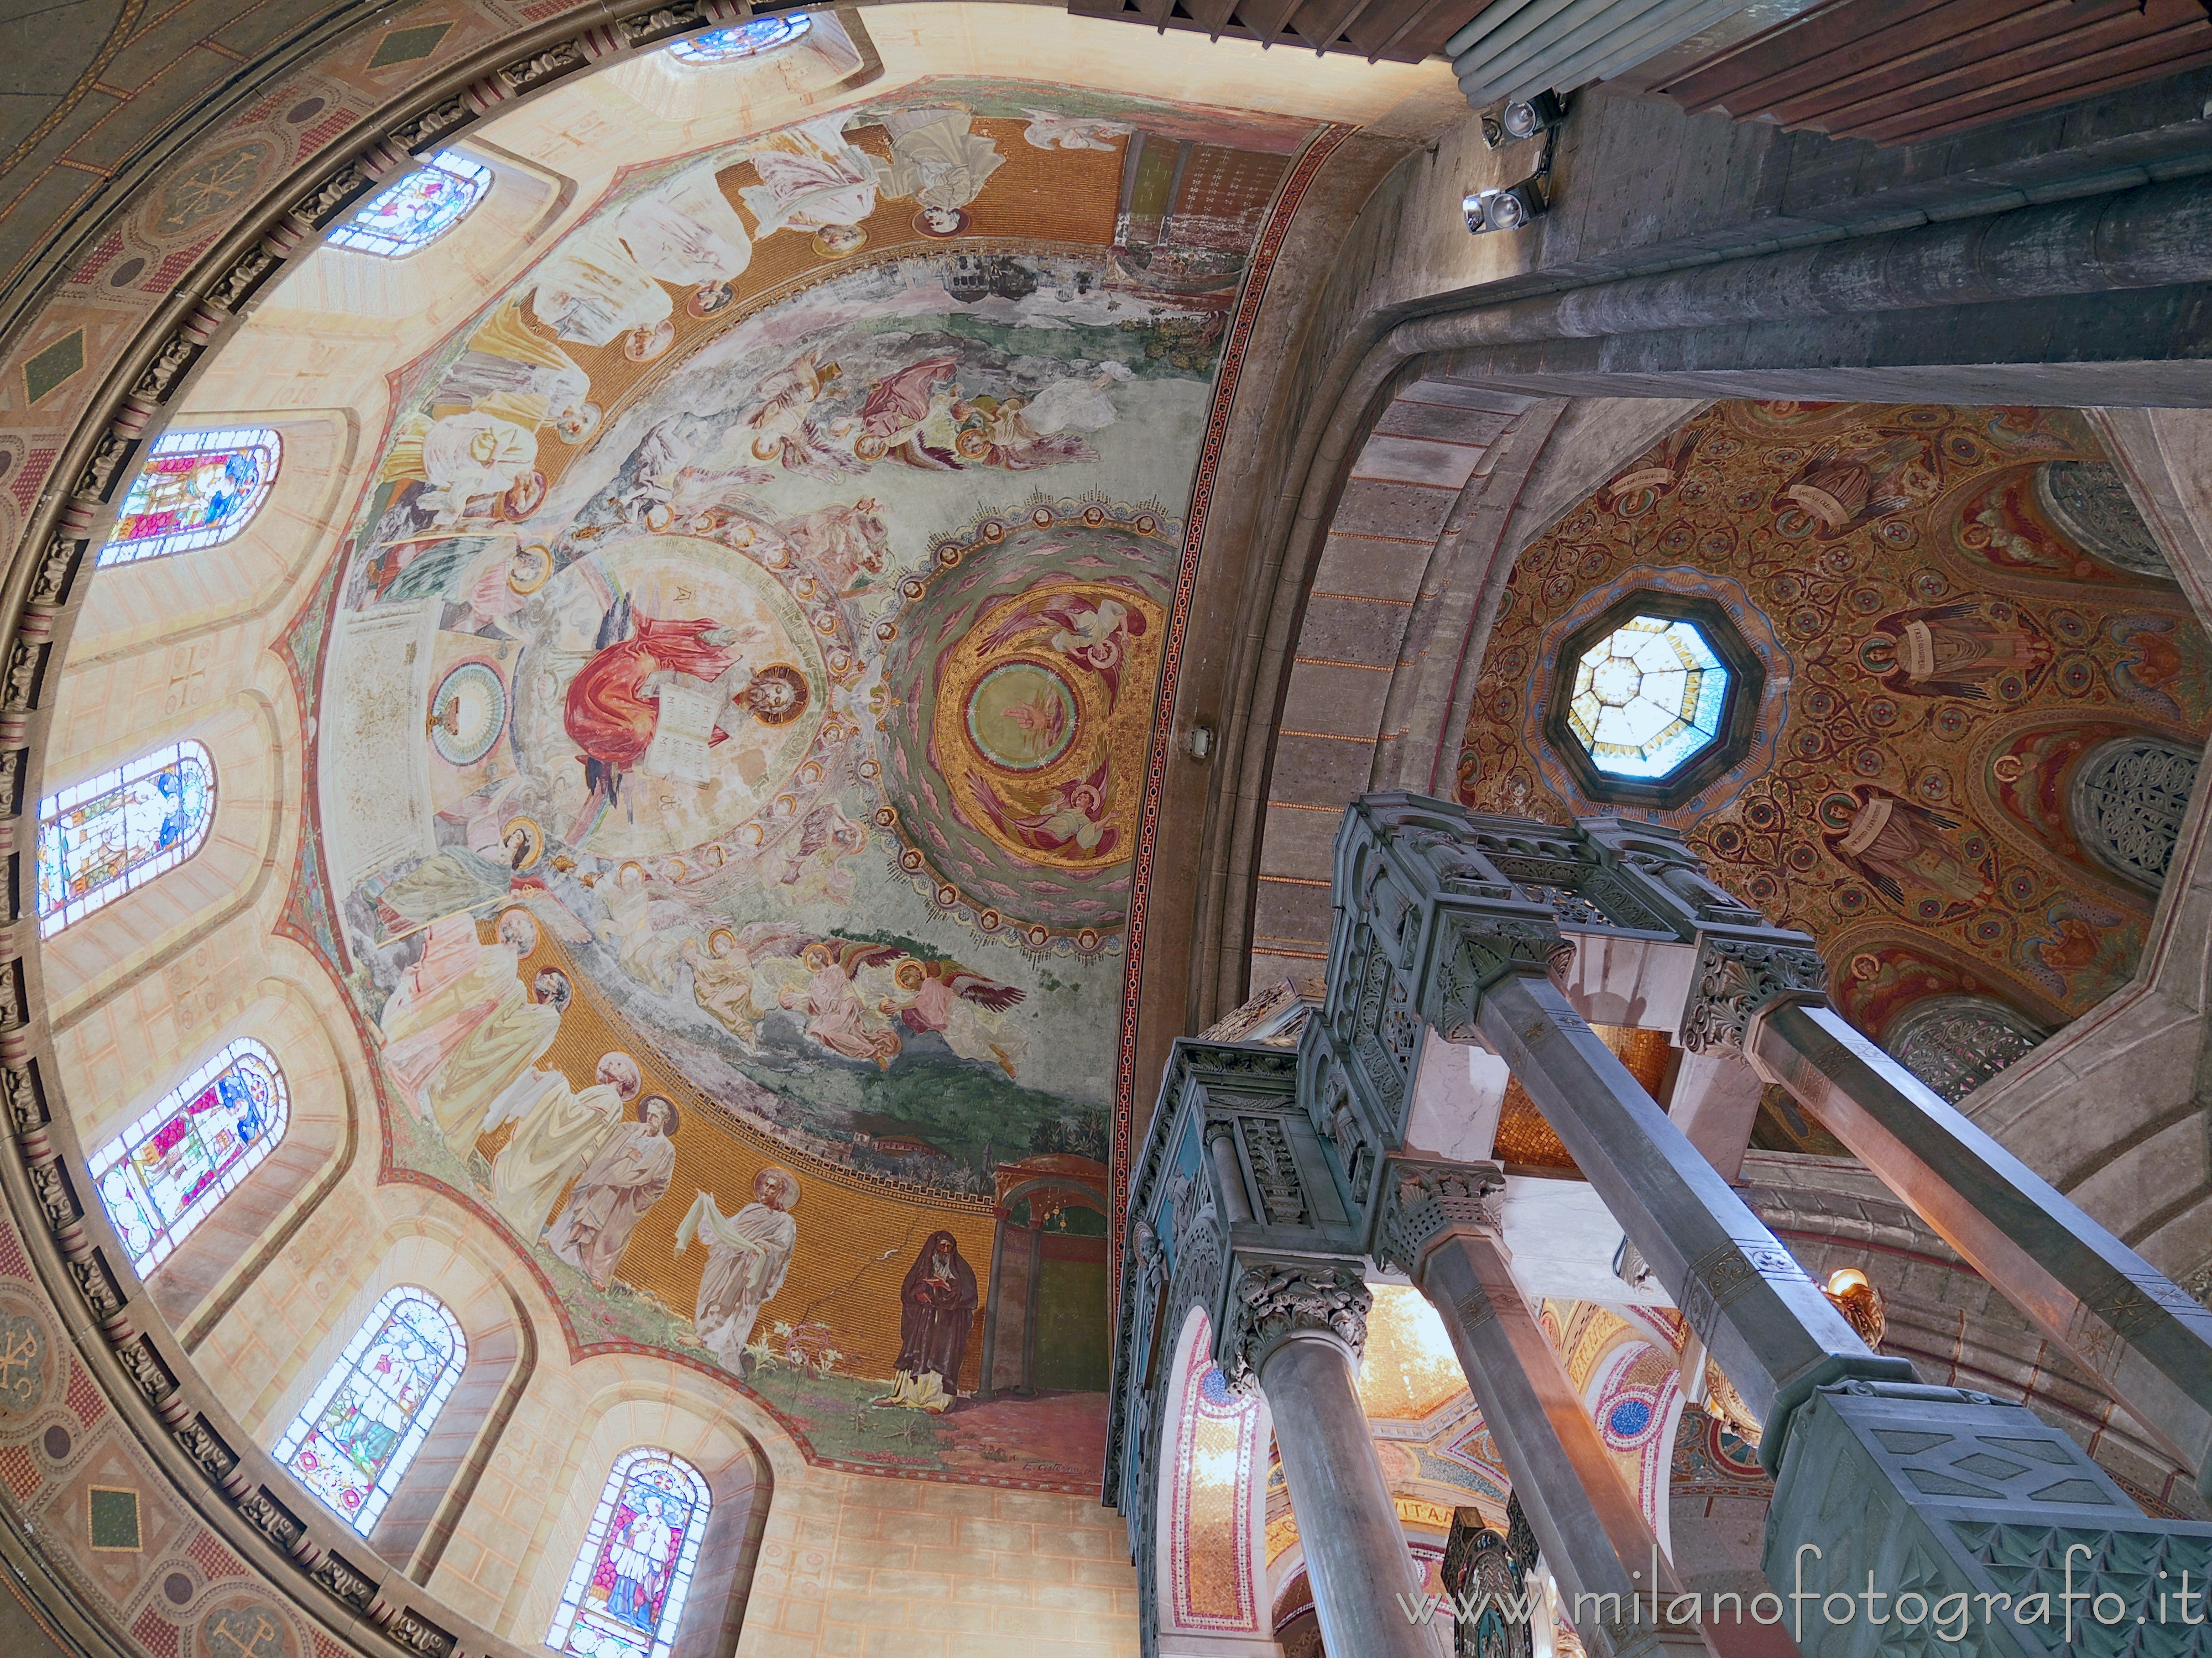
559, 1130
747, 1255
631, 1174
937, 1304
640, 1555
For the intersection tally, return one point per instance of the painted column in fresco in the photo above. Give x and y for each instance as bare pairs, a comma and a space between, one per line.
1298, 1327
2140, 1334
1441, 1225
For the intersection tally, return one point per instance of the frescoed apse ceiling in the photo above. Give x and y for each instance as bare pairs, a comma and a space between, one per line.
1982, 696
742, 668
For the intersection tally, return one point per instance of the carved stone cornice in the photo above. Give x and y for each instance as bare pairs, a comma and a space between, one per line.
1737, 978
1478, 951
1276, 1300
1424, 1202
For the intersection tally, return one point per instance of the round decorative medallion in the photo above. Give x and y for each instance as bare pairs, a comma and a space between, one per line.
467, 714
1022, 716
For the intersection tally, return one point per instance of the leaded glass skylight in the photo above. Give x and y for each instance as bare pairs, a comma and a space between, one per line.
361, 1427
418, 209
165, 1174
1648, 697
118, 830
197, 489
747, 39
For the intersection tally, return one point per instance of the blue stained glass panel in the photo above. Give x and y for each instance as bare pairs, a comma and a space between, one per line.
101, 838
748, 39
197, 489
165, 1174
418, 209
359, 1430
625, 1597
1648, 697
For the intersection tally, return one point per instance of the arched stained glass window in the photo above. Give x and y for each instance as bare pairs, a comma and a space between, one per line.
361, 1428
196, 489
102, 837
748, 39
164, 1174
418, 209
625, 1597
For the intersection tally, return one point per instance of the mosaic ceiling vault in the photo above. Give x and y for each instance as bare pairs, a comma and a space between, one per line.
733, 716
1961, 624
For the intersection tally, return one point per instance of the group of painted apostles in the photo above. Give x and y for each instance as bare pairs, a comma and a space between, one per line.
463, 1039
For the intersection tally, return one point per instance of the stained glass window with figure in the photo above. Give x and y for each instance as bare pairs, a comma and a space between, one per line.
748, 39
118, 830
418, 209
360, 1429
625, 1597
197, 489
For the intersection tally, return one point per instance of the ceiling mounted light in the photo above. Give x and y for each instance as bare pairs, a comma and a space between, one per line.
1523, 118
1509, 208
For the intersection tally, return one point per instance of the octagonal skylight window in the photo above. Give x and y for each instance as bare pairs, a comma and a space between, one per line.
1648, 697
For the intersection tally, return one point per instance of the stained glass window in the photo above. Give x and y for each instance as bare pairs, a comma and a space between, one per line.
164, 1174
1648, 697
418, 209
746, 40
361, 1428
625, 1597
101, 838
196, 489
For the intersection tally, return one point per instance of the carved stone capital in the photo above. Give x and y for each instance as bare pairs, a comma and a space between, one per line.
1739, 977
1481, 951
1424, 1202
1274, 1301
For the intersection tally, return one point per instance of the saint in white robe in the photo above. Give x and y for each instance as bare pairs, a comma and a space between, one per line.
747, 1255
560, 1131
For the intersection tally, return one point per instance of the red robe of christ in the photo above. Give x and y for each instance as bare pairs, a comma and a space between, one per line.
606, 717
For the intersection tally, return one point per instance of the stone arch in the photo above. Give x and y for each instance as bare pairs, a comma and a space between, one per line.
626, 1402
1375, 651
180, 603
1210, 1574
441, 1254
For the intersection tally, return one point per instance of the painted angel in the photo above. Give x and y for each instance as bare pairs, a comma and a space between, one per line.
965, 1007
1074, 814
898, 407
837, 1016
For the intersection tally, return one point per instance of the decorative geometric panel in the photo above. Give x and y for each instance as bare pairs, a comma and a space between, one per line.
749, 40
1649, 697
118, 830
165, 1174
625, 1597
362, 1426
197, 489
418, 209
1956, 1044
2126, 804
1214, 1451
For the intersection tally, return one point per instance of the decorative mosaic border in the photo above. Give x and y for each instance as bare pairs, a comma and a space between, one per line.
1271, 238
371, 1605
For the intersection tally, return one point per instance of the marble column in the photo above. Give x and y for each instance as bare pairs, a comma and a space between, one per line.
1441, 1228
1296, 1331
1767, 1323
2138, 1333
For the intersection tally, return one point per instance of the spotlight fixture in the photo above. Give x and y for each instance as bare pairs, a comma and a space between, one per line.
1509, 208
1524, 117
